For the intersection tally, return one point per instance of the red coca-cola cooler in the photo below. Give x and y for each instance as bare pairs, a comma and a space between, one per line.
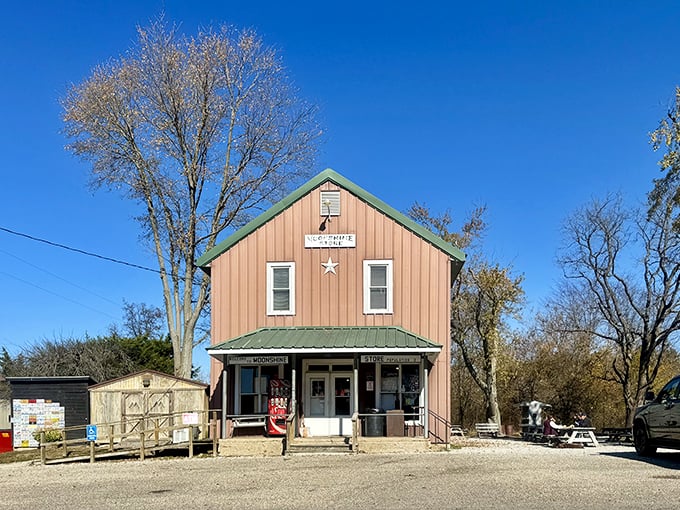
279, 398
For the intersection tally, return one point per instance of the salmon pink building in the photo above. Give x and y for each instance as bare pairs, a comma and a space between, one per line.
328, 306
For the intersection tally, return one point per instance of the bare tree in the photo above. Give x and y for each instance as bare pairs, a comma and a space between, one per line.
483, 296
99, 358
201, 132
141, 321
637, 298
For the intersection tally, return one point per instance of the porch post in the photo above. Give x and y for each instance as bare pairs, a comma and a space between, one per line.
223, 435
355, 390
293, 377
293, 391
426, 396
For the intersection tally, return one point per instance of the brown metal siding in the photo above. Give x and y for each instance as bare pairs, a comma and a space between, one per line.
421, 275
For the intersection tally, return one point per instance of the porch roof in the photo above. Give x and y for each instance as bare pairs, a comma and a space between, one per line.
326, 340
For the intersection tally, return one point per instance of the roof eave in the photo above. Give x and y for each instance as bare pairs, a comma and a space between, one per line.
320, 350
329, 175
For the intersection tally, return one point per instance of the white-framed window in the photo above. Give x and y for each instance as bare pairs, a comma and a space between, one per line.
281, 288
377, 286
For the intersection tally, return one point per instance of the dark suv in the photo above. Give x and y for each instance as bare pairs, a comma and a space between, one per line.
657, 423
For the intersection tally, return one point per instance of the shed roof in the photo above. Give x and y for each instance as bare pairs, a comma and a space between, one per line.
54, 379
321, 340
150, 372
456, 255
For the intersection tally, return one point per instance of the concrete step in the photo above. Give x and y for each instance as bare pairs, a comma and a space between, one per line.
340, 445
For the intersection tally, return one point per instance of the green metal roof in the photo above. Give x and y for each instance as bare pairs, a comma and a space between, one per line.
457, 256
326, 339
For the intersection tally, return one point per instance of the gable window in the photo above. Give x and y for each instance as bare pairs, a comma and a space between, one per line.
377, 286
281, 288
330, 203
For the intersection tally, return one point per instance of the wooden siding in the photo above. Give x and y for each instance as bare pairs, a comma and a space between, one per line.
71, 395
107, 399
421, 276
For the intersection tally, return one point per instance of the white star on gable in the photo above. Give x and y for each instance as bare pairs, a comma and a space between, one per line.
330, 266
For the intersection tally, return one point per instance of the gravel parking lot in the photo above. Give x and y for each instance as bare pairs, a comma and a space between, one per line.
491, 474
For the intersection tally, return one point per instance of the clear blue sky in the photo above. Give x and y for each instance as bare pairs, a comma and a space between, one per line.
531, 108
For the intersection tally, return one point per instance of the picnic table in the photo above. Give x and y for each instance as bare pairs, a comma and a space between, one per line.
618, 435
580, 435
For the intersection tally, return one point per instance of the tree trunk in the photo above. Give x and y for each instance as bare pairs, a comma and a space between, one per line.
493, 412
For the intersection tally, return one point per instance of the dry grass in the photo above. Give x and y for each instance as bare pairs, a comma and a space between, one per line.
20, 455
33, 454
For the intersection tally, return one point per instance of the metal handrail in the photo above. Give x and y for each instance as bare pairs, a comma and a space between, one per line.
439, 422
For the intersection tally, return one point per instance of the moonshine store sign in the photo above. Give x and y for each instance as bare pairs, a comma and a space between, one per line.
330, 240
390, 358
258, 360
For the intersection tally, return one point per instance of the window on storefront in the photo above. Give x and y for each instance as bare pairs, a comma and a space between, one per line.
400, 389
281, 288
254, 388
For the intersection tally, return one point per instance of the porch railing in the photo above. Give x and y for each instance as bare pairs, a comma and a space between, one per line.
438, 429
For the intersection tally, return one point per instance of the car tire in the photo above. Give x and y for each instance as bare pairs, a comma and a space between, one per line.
643, 445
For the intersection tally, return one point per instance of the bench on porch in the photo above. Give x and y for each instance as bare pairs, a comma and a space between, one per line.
238, 422
487, 429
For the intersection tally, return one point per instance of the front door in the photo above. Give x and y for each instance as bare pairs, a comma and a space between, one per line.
328, 404
341, 404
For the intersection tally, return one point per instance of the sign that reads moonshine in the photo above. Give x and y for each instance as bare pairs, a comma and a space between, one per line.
330, 240
390, 358
258, 360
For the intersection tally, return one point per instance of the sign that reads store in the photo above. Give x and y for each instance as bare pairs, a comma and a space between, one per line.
390, 358
258, 360
330, 240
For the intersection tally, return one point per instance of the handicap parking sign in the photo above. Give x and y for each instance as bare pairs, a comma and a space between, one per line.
91, 432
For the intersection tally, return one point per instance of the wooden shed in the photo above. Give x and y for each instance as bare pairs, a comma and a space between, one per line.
148, 397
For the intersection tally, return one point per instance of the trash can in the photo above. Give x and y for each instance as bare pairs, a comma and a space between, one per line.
395, 423
374, 425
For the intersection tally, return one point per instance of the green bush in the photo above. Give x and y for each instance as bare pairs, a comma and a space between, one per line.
51, 435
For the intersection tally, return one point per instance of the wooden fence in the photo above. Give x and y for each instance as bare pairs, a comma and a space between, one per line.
148, 436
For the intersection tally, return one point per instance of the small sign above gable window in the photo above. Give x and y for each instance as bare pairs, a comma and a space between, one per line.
330, 203
330, 241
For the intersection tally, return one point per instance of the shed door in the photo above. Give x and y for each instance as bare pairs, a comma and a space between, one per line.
159, 411
147, 410
133, 411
